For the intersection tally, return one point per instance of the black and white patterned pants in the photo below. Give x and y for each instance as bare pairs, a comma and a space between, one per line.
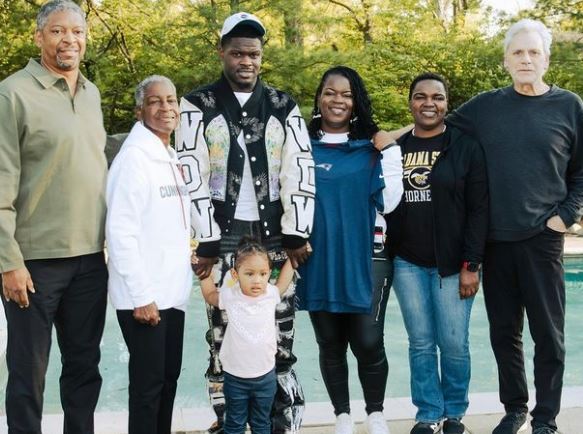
289, 402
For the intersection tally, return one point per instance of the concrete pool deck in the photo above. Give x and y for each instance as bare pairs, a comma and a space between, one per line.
574, 248
483, 414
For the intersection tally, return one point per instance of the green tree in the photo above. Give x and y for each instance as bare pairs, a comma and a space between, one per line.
387, 42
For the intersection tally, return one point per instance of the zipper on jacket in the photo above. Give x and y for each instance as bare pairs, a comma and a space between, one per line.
433, 212
179, 195
445, 149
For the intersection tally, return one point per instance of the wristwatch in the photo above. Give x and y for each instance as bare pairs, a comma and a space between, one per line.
471, 266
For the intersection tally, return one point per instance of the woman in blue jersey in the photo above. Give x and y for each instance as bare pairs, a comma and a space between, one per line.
345, 283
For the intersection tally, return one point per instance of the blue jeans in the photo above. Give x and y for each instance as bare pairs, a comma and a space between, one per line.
249, 400
288, 408
435, 316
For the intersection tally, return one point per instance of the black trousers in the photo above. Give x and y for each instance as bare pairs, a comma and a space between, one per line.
528, 276
154, 368
365, 334
71, 293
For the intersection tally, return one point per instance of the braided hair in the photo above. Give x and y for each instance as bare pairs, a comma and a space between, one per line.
248, 246
362, 125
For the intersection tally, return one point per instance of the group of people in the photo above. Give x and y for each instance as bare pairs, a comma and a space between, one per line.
324, 217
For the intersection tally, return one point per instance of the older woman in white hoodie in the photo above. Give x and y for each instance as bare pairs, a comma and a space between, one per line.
148, 239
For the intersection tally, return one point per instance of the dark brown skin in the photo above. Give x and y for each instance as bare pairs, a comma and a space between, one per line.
469, 283
241, 59
15, 286
299, 256
204, 267
147, 314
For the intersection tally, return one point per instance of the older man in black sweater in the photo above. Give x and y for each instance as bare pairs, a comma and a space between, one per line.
532, 134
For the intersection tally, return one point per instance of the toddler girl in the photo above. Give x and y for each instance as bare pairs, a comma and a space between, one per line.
249, 346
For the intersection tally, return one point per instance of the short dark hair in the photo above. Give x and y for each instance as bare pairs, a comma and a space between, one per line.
241, 31
57, 6
248, 246
363, 125
429, 76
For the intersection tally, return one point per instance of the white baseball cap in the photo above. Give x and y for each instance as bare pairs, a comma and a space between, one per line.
242, 18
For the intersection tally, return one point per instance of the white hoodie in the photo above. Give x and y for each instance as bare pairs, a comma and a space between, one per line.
148, 225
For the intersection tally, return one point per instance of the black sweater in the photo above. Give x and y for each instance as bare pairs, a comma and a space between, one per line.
534, 153
459, 196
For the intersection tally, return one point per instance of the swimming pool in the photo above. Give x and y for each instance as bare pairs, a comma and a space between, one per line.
191, 390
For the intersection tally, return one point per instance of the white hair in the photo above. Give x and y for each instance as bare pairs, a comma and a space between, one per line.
56, 6
146, 82
528, 25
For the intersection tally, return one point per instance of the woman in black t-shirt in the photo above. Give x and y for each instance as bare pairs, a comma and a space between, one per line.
437, 236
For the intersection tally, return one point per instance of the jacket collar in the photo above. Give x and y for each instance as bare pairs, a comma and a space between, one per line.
225, 93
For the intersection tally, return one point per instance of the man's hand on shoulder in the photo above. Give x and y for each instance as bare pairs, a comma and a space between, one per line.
383, 139
298, 256
203, 266
15, 286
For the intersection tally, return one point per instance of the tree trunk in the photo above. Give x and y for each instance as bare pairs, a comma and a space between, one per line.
363, 23
292, 21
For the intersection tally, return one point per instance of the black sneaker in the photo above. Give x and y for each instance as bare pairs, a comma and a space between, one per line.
215, 428
453, 426
426, 428
544, 429
513, 423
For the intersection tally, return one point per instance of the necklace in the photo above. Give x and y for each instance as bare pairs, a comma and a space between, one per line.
442, 131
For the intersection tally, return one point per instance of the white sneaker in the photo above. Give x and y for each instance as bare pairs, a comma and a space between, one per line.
376, 424
344, 424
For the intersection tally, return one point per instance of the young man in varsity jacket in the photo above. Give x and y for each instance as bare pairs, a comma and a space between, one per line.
248, 165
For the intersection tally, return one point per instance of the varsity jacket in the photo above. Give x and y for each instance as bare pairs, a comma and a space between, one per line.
459, 204
280, 158
147, 225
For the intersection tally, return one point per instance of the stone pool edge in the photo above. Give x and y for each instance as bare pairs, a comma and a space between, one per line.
317, 413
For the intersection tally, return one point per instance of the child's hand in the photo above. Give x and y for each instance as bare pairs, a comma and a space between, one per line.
193, 258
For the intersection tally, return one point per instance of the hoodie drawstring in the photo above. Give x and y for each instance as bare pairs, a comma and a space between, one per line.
179, 195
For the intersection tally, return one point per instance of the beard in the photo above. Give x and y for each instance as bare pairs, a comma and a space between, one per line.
66, 65
241, 85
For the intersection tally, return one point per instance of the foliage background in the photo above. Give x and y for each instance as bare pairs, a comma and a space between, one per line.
388, 42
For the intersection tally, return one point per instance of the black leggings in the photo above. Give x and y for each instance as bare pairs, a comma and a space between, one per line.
364, 333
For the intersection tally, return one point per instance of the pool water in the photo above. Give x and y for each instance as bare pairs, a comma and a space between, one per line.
192, 392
